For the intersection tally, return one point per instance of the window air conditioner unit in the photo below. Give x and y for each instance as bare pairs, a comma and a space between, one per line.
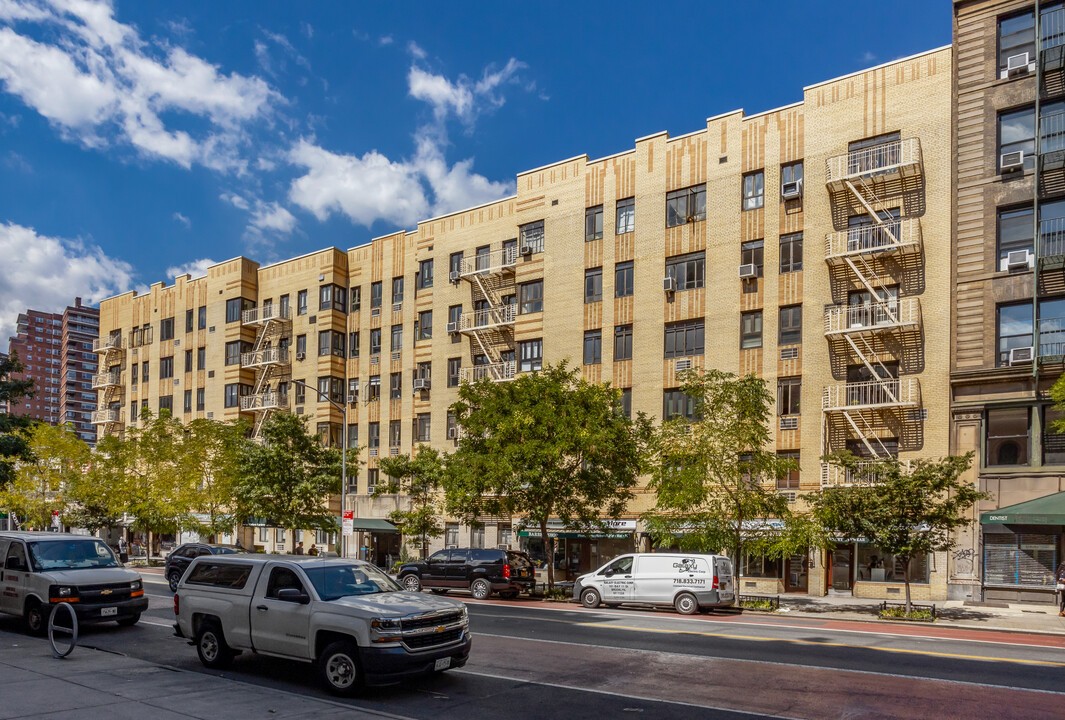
789, 422
301, 356
452, 433
685, 364
421, 383
454, 276
1021, 355
452, 547
375, 312
1017, 64
1011, 160
669, 284
503, 546
526, 250
452, 328
1018, 259
789, 496
749, 270
353, 398
791, 190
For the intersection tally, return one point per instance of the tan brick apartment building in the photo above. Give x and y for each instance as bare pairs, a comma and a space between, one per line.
808, 244
1009, 299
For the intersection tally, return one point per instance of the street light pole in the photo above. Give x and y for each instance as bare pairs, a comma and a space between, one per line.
343, 461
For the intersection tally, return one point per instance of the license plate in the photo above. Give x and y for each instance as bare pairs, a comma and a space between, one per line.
442, 664
105, 612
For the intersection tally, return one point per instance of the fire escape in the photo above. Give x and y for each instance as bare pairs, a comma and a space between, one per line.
490, 326
269, 357
108, 382
873, 333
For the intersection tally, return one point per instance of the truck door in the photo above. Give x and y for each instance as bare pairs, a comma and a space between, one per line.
15, 578
615, 581
280, 626
435, 567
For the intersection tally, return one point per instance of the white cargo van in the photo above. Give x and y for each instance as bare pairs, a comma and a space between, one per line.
690, 582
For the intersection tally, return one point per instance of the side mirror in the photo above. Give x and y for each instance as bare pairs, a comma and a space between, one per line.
293, 595
609, 573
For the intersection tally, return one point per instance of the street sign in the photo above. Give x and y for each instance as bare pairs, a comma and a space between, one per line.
349, 522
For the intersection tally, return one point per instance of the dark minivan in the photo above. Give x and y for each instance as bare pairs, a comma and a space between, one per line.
483, 571
178, 561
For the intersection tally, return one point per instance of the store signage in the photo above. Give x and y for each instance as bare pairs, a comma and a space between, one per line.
349, 522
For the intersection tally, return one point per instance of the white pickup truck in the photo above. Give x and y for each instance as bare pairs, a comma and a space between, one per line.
355, 622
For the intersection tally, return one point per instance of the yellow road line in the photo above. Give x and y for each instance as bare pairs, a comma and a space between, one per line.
828, 644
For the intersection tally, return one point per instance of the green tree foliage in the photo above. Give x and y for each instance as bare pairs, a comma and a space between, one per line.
14, 442
288, 477
715, 476
421, 478
41, 485
546, 445
208, 461
904, 512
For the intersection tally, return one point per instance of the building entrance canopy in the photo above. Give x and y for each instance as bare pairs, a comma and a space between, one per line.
1047, 510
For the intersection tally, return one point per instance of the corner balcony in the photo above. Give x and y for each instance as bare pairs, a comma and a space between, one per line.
496, 372
892, 160
872, 318
107, 379
496, 261
264, 401
864, 473
265, 357
263, 315
872, 395
891, 237
501, 316
102, 345
103, 417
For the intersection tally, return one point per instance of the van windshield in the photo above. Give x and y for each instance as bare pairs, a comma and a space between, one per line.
337, 581
71, 555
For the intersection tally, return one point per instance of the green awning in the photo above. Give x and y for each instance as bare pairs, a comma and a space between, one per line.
1047, 510
373, 525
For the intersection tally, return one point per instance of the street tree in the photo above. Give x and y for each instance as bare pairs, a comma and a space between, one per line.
42, 484
714, 472
14, 443
904, 511
208, 458
420, 478
287, 478
546, 445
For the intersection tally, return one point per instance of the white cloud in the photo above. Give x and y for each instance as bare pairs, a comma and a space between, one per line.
415, 50
464, 98
235, 200
196, 268
272, 217
264, 164
385, 40
182, 219
47, 273
100, 83
868, 56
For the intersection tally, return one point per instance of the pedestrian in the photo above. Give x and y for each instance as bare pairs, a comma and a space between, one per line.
313, 550
1060, 587
123, 550
299, 548
238, 546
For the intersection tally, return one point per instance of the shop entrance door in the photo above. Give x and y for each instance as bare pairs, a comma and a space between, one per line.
795, 573
841, 570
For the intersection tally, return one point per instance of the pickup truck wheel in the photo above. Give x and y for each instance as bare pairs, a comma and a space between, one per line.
339, 668
211, 646
686, 604
480, 589
173, 579
129, 621
412, 582
590, 598
36, 618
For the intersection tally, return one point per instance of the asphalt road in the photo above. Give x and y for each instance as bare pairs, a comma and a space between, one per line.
534, 660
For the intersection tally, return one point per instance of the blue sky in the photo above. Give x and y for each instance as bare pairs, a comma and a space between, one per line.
139, 139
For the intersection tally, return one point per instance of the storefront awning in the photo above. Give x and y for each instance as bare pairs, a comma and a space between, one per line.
1047, 510
373, 525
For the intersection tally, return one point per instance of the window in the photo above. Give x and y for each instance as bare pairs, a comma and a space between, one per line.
373, 475
531, 353
626, 402
622, 342
760, 566
188, 361
532, 236
791, 173
424, 329
453, 367
753, 190
593, 223
201, 358
623, 279
201, 400
331, 387
331, 342
791, 253
375, 294
676, 404
133, 408
395, 433
188, 401
626, 216
424, 371
1008, 431
593, 347
144, 372
301, 302
1014, 329
483, 258
232, 391
451, 538
1016, 35
373, 390
166, 368
424, 423
284, 308
687, 205
353, 344
233, 306
233, 352
687, 271
477, 535
374, 436
353, 435
593, 285
166, 329
789, 394
425, 274
790, 327
166, 402
751, 330
202, 319
454, 263
684, 338
753, 253
397, 290
189, 320
375, 341
332, 297
397, 338
531, 297
1015, 232
454, 315
396, 387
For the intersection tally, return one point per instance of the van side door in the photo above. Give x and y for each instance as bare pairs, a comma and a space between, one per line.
281, 626
15, 578
616, 581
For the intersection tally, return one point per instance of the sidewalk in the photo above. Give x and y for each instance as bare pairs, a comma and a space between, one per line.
93, 683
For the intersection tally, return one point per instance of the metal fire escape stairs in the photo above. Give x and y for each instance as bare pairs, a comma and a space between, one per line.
491, 327
269, 359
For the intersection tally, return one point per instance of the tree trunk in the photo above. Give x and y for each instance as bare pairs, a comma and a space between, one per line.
549, 548
906, 580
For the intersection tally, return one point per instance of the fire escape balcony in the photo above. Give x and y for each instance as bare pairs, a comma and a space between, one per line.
896, 159
496, 261
103, 417
264, 401
493, 317
265, 314
496, 372
887, 393
265, 358
875, 317
102, 345
864, 473
891, 237
107, 379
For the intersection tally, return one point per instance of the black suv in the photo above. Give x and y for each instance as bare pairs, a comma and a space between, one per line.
177, 562
483, 571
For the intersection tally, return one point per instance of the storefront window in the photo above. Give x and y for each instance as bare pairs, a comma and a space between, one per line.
1007, 436
759, 566
877, 566
1025, 559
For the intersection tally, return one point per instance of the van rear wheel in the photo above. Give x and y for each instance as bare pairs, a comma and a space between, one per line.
686, 604
36, 618
590, 598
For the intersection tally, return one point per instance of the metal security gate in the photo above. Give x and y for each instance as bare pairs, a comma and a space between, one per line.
1022, 560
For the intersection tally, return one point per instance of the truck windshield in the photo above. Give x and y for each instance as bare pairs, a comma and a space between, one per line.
71, 555
337, 581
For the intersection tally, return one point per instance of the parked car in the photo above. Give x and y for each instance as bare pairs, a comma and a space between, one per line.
177, 562
689, 582
348, 616
38, 570
482, 571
